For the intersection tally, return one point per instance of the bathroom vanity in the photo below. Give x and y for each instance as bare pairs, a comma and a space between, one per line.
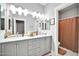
26, 46
37, 44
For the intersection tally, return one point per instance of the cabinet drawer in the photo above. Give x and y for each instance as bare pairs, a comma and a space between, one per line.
34, 52
31, 52
33, 44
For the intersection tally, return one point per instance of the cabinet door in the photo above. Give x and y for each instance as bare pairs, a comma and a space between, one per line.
31, 44
42, 46
33, 47
0, 49
37, 48
45, 45
33, 52
22, 48
48, 43
9, 49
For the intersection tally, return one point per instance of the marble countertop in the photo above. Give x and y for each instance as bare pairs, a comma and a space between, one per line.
11, 39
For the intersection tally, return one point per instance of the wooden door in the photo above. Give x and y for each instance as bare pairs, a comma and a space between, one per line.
77, 31
67, 33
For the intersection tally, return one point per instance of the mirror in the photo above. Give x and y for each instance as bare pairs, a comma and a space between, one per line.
2, 23
44, 25
19, 26
2, 18
9, 24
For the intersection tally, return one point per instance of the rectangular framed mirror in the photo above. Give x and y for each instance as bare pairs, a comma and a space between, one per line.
2, 24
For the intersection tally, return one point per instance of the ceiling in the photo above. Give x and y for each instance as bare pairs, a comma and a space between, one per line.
44, 4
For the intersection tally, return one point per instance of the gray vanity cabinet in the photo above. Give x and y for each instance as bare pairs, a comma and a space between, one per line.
42, 46
45, 45
22, 48
30, 47
33, 47
9, 49
48, 45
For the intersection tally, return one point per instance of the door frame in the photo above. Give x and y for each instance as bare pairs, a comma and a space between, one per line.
57, 9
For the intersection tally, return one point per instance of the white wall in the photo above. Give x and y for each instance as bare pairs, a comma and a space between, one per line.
49, 9
49, 12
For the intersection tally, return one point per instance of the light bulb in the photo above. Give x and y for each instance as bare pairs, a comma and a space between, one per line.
39, 15
20, 11
42, 16
25, 12
46, 18
13, 9
34, 14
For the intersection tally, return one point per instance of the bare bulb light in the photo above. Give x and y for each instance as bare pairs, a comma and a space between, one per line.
25, 11
13, 9
34, 14
20, 11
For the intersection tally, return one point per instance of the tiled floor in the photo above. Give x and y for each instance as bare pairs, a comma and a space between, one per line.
49, 54
69, 53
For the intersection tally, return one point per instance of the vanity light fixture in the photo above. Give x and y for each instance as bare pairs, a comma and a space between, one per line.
42, 16
20, 11
46, 17
39, 15
13, 9
34, 14
25, 12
